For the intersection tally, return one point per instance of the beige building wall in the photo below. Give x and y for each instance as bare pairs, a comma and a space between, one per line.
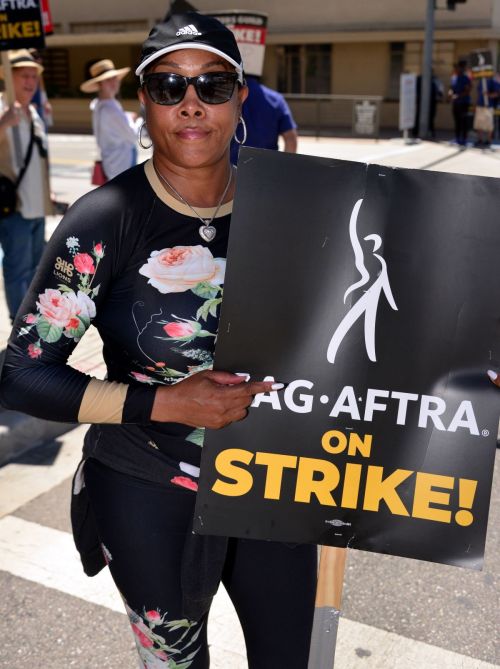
360, 69
287, 15
359, 31
270, 70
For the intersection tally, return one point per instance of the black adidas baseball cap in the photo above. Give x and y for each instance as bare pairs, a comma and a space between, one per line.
191, 31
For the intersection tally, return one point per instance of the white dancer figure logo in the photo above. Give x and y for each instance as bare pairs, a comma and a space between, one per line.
368, 303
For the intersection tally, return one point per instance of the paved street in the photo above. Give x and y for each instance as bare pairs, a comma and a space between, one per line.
397, 613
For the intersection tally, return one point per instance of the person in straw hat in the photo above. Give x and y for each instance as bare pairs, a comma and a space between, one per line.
22, 231
114, 129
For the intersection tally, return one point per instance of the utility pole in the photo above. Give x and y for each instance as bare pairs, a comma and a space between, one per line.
426, 78
425, 82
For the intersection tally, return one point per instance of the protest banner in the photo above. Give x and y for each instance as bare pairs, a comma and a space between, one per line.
21, 25
250, 30
481, 63
374, 294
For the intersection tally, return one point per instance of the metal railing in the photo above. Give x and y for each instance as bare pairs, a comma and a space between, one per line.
360, 113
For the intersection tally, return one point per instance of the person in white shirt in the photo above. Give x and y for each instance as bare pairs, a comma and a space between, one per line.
115, 130
22, 232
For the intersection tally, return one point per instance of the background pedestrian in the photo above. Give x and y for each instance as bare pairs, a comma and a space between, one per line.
435, 97
459, 94
267, 117
22, 232
115, 130
488, 93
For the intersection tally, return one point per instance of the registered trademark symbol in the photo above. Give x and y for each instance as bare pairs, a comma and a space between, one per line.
485, 433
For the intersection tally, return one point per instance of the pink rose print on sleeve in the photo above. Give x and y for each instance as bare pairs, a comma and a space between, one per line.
84, 264
62, 313
64, 310
55, 307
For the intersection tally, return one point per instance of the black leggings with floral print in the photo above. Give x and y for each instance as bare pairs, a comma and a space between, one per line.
142, 526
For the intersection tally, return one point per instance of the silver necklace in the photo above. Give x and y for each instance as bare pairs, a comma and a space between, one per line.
207, 231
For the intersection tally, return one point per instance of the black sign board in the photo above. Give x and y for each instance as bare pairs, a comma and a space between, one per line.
374, 294
481, 63
21, 25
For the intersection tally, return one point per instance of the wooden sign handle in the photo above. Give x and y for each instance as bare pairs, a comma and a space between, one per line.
327, 607
331, 576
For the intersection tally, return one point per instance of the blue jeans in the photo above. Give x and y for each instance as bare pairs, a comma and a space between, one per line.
22, 241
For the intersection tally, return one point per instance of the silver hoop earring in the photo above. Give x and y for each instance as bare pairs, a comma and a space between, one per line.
140, 137
244, 126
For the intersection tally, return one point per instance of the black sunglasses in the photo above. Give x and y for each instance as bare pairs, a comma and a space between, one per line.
167, 88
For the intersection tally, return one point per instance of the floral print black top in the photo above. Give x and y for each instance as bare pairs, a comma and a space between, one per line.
127, 258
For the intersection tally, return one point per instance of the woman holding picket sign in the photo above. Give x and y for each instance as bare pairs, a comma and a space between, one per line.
143, 259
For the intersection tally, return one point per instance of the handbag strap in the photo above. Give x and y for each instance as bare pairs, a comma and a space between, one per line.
27, 157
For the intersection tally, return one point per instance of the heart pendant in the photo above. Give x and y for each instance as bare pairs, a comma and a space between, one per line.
207, 232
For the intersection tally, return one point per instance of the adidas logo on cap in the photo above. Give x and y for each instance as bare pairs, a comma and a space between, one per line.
188, 30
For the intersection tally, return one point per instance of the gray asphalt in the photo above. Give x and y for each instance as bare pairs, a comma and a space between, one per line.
449, 607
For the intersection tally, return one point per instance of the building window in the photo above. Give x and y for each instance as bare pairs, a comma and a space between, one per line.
305, 68
396, 69
56, 72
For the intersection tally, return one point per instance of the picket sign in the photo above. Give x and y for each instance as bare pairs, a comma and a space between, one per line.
10, 98
327, 607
